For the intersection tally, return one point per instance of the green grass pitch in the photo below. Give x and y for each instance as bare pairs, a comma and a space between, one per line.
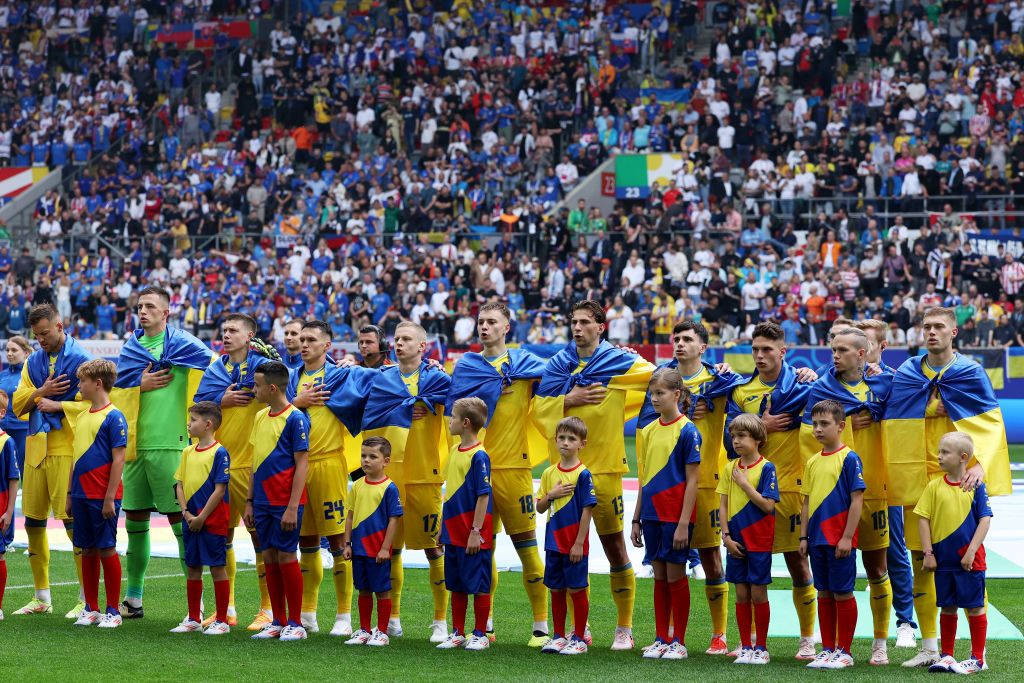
49, 648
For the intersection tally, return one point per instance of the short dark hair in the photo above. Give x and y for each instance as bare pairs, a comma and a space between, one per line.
829, 407
320, 325
275, 373
769, 330
41, 312
380, 443
156, 291
208, 410
495, 306
694, 326
573, 425
592, 307
247, 320
472, 408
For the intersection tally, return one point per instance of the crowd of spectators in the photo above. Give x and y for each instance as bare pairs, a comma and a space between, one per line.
365, 157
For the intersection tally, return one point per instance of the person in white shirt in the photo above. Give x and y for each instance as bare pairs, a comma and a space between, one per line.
213, 104
567, 174
620, 322
726, 133
179, 266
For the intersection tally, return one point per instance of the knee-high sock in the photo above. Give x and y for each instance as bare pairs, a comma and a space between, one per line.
263, 580
924, 599
91, 581
437, 588
176, 528
979, 632
397, 580
662, 609
881, 604
558, 612
221, 592
533, 578
3, 580
680, 593
312, 568
137, 557
743, 620
827, 622
69, 528
231, 568
38, 553
291, 576
717, 593
383, 614
623, 585
481, 608
762, 617
494, 589
366, 612
846, 623
194, 595
804, 598
275, 586
460, 601
947, 633
342, 575
580, 612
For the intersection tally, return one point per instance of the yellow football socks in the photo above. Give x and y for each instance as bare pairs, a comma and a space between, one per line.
881, 605
231, 567
533, 578
924, 598
623, 585
312, 568
69, 528
494, 588
38, 553
805, 600
261, 574
437, 587
718, 604
342, 582
397, 579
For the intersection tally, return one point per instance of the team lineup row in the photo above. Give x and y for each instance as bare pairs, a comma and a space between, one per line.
893, 422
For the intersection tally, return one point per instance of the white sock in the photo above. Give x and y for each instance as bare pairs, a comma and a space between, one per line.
43, 595
490, 624
347, 618
624, 629
232, 612
930, 644
879, 642
440, 622
81, 595
541, 626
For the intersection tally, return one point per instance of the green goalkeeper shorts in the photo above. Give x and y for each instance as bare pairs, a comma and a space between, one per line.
149, 481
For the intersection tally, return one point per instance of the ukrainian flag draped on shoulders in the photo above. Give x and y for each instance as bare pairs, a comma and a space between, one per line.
971, 408
217, 378
868, 442
392, 404
787, 397
181, 350
34, 374
625, 375
475, 376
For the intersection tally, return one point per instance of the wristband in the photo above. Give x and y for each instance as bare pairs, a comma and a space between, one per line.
726, 535
928, 552
250, 500
477, 529
804, 538
348, 544
636, 521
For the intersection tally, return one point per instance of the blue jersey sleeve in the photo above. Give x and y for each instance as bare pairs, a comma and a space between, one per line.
117, 429
298, 425
585, 490
480, 474
392, 502
852, 476
10, 461
980, 507
688, 446
221, 467
768, 486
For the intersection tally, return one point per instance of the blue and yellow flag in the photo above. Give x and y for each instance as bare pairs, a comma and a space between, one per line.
911, 441
34, 374
712, 394
390, 411
788, 397
181, 350
217, 378
868, 442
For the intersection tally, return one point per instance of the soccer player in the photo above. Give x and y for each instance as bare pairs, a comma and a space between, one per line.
709, 387
310, 388
863, 399
466, 527
202, 491
901, 579
833, 492
668, 460
94, 490
373, 347
229, 383
504, 378
373, 512
953, 524
158, 372
276, 495
749, 491
408, 410
9, 478
603, 386
292, 346
49, 379
776, 395
567, 494
931, 396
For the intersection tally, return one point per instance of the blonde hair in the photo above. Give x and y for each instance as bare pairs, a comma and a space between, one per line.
101, 369
25, 345
962, 442
752, 426
472, 409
